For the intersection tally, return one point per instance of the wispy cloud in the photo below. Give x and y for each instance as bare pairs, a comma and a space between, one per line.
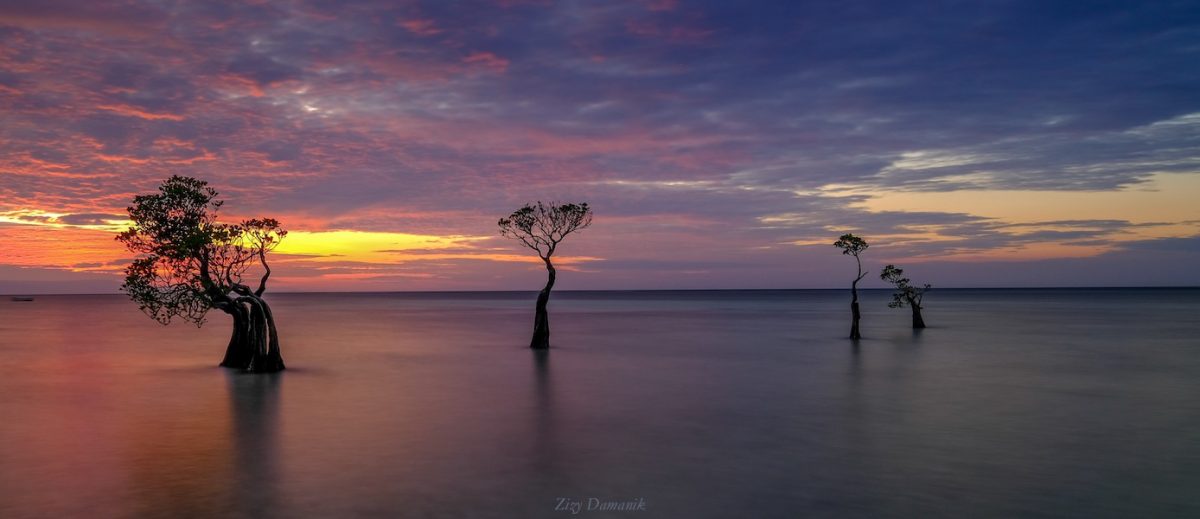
726, 136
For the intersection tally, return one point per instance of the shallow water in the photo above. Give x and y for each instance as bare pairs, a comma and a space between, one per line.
1015, 403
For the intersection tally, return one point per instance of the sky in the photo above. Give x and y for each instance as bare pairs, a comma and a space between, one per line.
720, 144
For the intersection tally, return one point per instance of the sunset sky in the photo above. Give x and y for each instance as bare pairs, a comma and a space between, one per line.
721, 144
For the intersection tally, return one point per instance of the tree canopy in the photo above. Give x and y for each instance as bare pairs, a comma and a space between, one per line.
851, 244
541, 226
906, 293
187, 261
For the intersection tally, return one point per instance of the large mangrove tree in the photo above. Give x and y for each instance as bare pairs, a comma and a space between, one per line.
189, 263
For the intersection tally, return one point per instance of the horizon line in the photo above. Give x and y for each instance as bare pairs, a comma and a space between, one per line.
935, 289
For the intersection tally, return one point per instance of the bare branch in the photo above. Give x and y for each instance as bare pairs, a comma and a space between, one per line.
541, 227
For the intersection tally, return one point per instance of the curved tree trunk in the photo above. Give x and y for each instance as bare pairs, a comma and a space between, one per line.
274, 354
855, 314
237, 354
541, 319
917, 320
262, 359
254, 345
258, 334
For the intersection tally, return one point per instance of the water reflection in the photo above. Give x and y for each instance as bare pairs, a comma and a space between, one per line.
179, 454
254, 404
544, 445
208, 453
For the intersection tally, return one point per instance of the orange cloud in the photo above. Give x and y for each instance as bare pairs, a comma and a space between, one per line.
67, 248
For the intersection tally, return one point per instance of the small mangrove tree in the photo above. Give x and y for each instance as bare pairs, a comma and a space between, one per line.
854, 246
906, 294
541, 227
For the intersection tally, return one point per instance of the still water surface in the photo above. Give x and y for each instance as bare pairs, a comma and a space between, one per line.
1015, 403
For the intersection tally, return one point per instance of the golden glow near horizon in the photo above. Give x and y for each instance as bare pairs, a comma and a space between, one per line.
43, 239
1163, 206
390, 247
366, 245
1163, 198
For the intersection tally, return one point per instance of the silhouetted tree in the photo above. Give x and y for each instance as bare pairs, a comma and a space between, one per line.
541, 227
854, 246
906, 293
188, 263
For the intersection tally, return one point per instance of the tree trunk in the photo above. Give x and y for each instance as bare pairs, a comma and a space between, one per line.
274, 354
262, 359
237, 354
541, 319
254, 345
855, 314
918, 321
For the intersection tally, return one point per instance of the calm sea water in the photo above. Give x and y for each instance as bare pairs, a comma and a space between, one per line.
1014, 403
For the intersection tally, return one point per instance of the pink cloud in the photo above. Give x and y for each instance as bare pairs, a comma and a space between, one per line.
420, 27
125, 21
488, 60
135, 112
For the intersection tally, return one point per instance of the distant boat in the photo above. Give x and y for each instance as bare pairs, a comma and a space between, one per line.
22, 298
